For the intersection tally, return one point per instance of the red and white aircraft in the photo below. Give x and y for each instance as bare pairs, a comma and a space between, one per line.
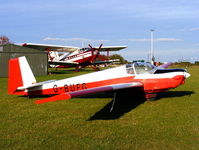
152, 80
74, 56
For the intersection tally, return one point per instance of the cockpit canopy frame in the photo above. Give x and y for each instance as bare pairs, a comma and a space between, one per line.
140, 68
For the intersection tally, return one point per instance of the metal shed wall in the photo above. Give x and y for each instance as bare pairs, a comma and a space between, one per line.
38, 60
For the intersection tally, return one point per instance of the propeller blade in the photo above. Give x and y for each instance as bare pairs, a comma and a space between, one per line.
90, 46
100, 46
95, 52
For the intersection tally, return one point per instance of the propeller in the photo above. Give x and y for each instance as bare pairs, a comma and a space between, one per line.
186, 74
95, 52
90, 46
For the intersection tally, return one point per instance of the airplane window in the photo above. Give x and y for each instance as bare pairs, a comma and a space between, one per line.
84, 50
143, 68
130, 69
81, 50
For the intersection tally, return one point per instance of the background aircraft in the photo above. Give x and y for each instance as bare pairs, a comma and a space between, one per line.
75, 56
151, 79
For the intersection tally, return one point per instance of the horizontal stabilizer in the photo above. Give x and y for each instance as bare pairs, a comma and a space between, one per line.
34, 85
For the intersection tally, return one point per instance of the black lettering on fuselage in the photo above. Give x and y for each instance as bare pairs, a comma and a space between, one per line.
66, 88
73, 87
84, 86
77, 86
55, 89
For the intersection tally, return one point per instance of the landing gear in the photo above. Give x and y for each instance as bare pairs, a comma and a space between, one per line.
77, 68
95, 68
113, 102
150, 96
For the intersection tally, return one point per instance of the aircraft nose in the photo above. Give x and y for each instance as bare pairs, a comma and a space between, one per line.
186, 75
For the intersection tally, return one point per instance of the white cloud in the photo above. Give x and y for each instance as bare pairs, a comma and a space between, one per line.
168, 40
71, 39
194, 29
136, 40
155, 40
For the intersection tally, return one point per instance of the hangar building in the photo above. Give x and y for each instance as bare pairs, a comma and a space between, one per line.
37, 59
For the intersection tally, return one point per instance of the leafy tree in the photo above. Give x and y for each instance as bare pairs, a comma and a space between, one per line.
197, 63
117, 56
102, 57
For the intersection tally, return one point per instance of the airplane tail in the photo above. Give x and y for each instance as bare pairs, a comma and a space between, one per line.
20, 74
53, 56
166, 65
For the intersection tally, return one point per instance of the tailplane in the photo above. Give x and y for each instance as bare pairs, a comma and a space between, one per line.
20, 74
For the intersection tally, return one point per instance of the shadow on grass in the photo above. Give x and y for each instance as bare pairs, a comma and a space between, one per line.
61, 72
67, 71
173, 94
129, 100
125, 101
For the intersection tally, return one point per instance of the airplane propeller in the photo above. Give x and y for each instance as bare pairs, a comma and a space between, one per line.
96, 52
186, 74
90, 46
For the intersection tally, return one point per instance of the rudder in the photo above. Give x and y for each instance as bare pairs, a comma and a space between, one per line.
20, 74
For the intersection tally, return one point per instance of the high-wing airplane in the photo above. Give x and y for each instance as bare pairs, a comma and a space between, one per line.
74, 56
152, 79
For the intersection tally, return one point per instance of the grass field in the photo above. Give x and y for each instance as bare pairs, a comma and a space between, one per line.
171, 122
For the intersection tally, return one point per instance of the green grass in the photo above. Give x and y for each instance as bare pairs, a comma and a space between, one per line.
171, 122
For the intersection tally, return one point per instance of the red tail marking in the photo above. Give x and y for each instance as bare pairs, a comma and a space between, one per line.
14, 77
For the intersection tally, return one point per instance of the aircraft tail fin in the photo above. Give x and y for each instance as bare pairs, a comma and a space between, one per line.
166, 65
53, 56
20, 74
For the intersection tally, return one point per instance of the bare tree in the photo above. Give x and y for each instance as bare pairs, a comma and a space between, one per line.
4, 40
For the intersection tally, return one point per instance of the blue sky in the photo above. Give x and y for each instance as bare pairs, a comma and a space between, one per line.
111, 22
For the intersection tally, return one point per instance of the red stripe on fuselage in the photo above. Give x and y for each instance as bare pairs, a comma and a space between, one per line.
80, 86
82, 57
150, 85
